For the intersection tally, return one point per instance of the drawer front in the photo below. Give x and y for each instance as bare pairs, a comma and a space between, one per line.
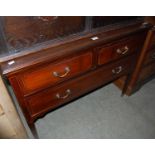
150, 57
120, 49
51, 74
147, 72
56, 96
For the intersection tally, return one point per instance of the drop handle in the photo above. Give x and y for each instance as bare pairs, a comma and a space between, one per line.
123, 51
56, 74
67, 93
117, 70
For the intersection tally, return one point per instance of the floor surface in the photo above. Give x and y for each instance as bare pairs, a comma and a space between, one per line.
103, 114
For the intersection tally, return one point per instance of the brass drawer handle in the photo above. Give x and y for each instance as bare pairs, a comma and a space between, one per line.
117, 70
153, 55
67, 70
126, 49
67, 93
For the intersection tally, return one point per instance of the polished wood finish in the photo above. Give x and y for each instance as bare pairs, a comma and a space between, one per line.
47, 99
120, 49
52, 52
48, 76
38, 101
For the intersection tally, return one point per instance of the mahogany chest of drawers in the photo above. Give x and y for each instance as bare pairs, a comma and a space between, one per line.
54, 76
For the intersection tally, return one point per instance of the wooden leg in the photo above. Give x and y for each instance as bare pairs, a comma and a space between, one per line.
33, 130
125, 87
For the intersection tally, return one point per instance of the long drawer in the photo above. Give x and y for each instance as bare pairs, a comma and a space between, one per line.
50, 74
119, 49
56, 96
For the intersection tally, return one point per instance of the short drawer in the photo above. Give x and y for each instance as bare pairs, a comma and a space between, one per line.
56, 96
53, 73
150, 57
119, 49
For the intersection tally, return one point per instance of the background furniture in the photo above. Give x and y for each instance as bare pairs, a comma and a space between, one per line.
145, 67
